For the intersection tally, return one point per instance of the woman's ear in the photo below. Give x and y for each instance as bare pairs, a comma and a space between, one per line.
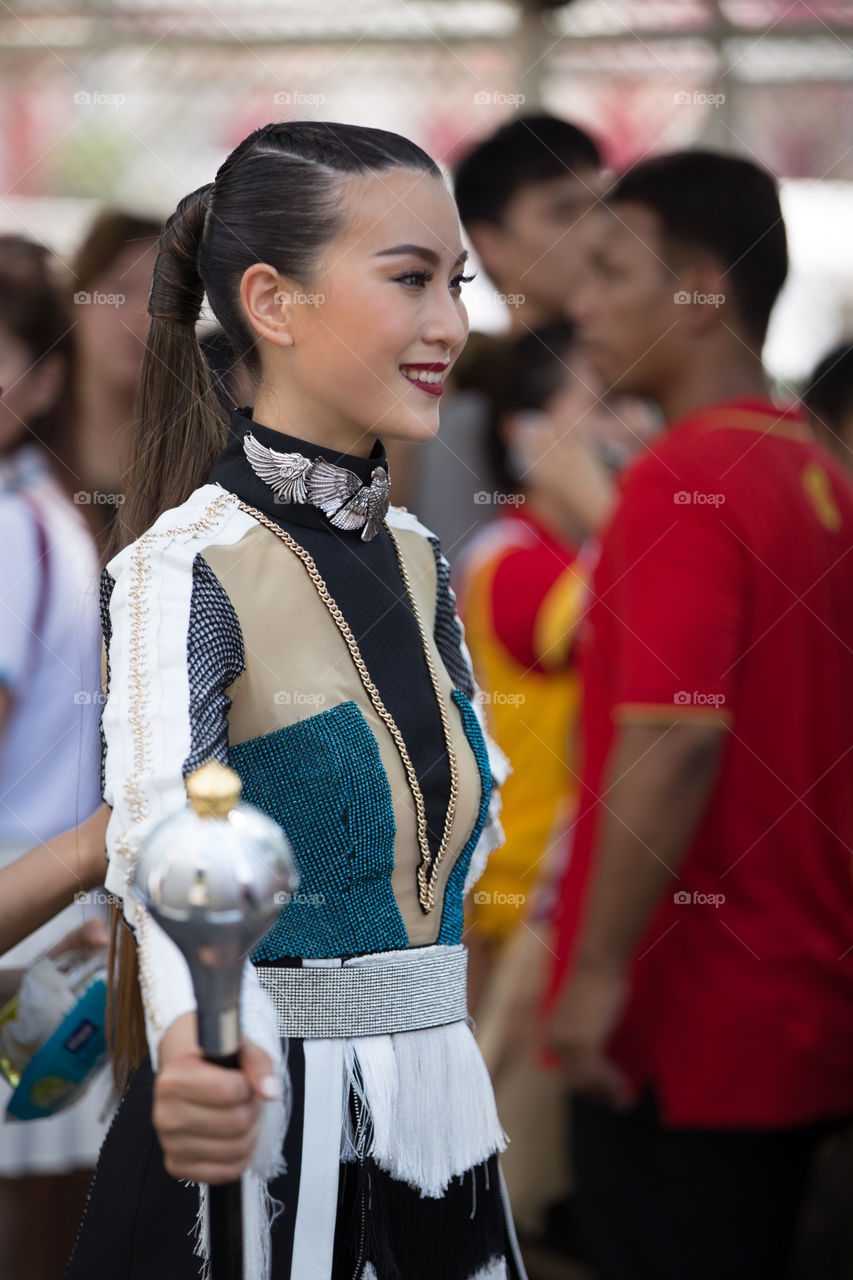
267, 296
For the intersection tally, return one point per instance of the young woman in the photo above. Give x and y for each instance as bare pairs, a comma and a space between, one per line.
50, 676
280, 616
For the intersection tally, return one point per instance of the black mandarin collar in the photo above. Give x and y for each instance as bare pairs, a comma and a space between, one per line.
232, 470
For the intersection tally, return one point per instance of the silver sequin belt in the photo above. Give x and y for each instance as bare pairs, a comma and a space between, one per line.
369, 995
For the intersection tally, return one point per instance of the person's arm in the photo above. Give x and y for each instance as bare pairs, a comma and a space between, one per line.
674, 593
660, 778
174, 646
41, 882
91, 936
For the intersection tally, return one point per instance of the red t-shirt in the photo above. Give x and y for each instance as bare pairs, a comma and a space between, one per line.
725, 590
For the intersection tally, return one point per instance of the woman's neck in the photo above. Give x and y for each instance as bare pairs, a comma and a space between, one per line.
269, 411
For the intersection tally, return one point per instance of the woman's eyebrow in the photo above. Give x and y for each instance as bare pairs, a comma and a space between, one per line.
419, 251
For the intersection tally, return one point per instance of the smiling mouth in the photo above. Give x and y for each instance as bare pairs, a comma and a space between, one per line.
428, 380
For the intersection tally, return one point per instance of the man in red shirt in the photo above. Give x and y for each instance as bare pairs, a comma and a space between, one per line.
703, 993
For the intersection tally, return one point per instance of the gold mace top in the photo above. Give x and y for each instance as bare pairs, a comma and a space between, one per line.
213, 790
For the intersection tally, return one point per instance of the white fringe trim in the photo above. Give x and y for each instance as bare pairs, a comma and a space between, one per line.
496, 1270
492, 836
429, 1102
260, 1208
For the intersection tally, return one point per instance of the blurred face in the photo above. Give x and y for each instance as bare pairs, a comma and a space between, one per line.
540, 247
111, 320
627, 308
382, 322
25, 392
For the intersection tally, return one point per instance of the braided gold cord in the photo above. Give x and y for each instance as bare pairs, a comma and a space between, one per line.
429, 866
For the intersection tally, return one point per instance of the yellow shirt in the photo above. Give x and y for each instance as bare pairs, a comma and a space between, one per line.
521, 593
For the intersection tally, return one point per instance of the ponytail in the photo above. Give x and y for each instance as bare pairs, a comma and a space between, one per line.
181, 425
180, 431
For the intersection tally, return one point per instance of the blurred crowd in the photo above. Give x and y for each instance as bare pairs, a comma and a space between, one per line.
651, 550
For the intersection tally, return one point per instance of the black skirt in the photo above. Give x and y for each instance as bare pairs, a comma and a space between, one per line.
139, 1221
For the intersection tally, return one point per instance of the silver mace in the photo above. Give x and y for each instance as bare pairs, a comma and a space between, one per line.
213, 876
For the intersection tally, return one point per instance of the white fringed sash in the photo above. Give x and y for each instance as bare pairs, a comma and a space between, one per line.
429, 1100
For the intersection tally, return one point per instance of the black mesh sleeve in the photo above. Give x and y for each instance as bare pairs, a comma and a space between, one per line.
448, 628
215, 658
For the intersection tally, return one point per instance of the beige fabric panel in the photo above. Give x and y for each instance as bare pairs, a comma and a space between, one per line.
280, 613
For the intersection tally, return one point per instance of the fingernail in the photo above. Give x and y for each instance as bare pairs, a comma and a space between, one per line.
270, 1087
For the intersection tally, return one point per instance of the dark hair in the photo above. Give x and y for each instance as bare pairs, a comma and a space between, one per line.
276, 199
109, 235
33, 310
828, 396
526, 375
529, 150
223, 365
725, 206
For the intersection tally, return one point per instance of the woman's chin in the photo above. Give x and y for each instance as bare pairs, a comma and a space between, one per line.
415, 429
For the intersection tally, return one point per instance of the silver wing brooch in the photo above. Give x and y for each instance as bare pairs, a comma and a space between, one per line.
337, 491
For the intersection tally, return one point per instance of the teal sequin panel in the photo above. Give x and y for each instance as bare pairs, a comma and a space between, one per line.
451, 920
322, 779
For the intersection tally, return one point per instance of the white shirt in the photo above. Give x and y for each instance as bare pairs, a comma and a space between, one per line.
49, 655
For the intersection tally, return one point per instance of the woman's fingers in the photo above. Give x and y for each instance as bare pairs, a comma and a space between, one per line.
208, 1117
258, 1069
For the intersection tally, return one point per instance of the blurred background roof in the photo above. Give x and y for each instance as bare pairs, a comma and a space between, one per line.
135, 102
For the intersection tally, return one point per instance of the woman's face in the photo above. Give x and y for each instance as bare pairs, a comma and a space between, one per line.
112, 320
386, 297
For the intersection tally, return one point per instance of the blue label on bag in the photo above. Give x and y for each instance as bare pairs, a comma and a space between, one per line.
59, 1072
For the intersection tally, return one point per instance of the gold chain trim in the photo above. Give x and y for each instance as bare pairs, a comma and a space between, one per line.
428, 868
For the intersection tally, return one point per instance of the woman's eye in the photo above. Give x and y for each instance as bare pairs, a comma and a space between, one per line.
421, 278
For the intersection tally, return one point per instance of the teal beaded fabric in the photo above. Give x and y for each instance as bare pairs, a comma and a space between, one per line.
322, 779
451, 920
